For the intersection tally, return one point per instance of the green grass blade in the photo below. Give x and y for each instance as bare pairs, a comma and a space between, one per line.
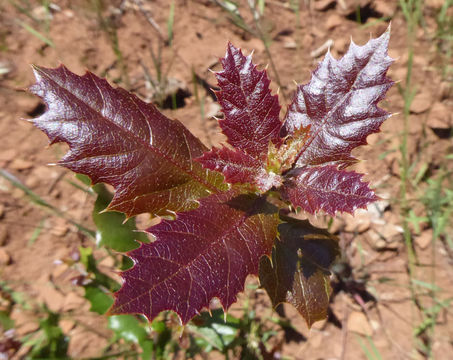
36, 33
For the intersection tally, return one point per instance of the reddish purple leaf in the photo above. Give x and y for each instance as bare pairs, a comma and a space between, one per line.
327, 188
205, 253
340, 103
251, 111
299, 270
238, 167
116, 138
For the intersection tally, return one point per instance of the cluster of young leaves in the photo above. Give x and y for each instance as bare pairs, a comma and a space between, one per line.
228, 204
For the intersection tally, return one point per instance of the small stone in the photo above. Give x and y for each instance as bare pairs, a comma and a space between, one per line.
290, 43
445, 90
27, 103
66, 325
59, 227
8, 155
341, 45
424, 239
338, 224
358, 223
323, 5
27, 328
32, 181
421, 103
42, 13
435, 4
377, 209
20, 164
358, 323
5, 257
3, 236
333, 21
73, 301
59, 270
213, 110
388, 237
53, 298
385, 8
108, 262
439, 117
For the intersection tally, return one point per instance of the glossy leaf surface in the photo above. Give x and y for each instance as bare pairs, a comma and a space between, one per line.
251, 111
116, 138
205, 253
340, 103
221, 232
112, 229
238, 167
327, 188
299, 270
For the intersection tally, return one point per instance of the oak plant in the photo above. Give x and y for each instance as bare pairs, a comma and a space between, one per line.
226, 212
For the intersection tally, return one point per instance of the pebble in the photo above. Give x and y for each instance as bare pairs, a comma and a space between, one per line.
66, 325
8, 155
213, 110
333, 21
73, 301
386, 8
323, 5
290, 43
52, 298
20, 164
5, 257
388, 236
27, 328
358, 323
60, 227
3, 236
421, 103
424, 239
59, 270
439, 117
358, 223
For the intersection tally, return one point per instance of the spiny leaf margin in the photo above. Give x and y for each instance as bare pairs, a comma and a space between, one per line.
197, 257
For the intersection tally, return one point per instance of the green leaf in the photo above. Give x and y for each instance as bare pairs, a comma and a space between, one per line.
99, 300
112, 230
5, 321
299, 270
127, 327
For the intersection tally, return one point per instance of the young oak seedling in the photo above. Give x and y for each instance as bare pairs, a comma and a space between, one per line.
230, 204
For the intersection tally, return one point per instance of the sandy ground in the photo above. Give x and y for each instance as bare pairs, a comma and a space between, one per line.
372, 243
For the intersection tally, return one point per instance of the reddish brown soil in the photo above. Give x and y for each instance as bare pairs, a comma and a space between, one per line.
201, 31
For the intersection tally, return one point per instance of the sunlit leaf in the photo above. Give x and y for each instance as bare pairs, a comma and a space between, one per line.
205, 253
340, 103
327, 188
116, 138
251, 111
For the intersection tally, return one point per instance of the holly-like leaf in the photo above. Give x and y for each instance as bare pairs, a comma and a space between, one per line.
251, 111
112, 228
238, 167
207, 252
299, 270
340, 103
116, 138
327, 188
